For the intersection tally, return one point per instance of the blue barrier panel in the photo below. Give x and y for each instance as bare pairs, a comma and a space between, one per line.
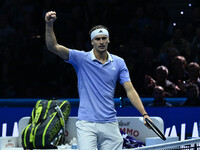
148, 100
15, 109
119, 102
170, 115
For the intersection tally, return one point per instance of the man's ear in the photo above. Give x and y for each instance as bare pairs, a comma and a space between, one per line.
92, 43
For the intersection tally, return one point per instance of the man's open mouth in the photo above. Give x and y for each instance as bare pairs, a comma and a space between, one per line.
101, 46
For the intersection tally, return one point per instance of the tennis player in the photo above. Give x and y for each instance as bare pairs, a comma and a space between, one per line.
97, 72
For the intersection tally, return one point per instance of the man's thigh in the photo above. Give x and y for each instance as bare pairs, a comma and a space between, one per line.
110, 137
86, 135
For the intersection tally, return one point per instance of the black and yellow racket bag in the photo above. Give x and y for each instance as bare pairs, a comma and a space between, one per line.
47, 125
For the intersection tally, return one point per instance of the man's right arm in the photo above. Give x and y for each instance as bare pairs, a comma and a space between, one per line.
50, 37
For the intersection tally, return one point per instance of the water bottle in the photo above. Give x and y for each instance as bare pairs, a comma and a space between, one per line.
74, 143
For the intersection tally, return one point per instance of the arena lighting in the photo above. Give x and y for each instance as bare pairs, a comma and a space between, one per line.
121, 102
189, 4
182, 12
174, 24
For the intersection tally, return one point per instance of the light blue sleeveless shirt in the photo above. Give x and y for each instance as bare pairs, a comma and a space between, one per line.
96, 84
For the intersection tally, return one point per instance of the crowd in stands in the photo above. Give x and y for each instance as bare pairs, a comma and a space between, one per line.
160, 55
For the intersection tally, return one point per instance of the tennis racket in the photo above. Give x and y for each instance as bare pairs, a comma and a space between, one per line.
155, 129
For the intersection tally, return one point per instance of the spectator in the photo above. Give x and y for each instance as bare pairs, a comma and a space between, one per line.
193, 73
193, 70
139, 22
195, 53
179, 73
189, 31
192, 91
161, 80
159, 95
22, 28
178, 42
146, 64
178, 70
166, 57
195, 17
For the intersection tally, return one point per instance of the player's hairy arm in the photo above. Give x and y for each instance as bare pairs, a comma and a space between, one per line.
135, 99
50, 37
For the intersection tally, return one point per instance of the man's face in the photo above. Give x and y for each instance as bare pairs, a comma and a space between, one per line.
100, 43
193, 72
158, 94
161, 75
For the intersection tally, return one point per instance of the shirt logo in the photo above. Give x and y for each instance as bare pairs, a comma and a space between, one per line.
113, 68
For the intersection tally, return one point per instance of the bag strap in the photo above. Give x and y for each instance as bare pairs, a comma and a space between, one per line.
47, 109
33, 111
38, 111
62, 120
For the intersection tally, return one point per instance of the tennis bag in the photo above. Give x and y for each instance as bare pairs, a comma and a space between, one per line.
47, 124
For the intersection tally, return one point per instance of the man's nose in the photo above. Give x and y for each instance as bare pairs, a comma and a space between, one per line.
101, 40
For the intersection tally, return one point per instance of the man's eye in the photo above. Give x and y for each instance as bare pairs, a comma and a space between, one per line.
103, 38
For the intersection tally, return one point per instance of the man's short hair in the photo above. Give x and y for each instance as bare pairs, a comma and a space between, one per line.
97, 27
163, 69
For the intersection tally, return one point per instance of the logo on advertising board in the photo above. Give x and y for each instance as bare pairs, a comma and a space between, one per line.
127, 127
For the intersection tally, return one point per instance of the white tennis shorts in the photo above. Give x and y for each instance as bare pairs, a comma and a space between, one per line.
101, 136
